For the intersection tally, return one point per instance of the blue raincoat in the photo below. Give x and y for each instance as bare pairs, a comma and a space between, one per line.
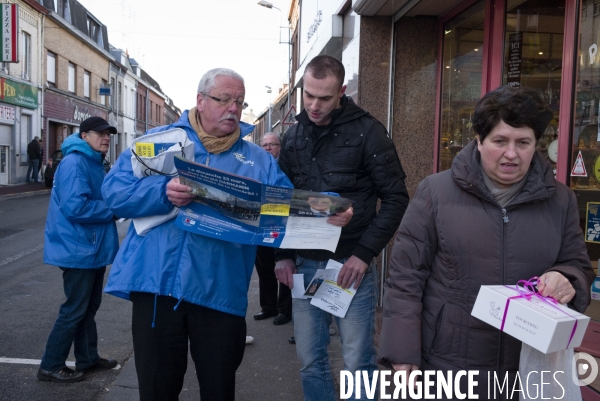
173, 262
80, 230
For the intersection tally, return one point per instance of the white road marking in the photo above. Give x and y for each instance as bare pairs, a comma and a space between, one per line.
21, 361
20, 255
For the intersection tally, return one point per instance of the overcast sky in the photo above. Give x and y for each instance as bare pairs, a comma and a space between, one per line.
176, 41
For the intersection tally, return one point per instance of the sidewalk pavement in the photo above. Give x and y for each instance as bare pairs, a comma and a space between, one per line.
21, 190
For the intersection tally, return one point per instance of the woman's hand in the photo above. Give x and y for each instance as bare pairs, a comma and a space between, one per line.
408, 368
555, 285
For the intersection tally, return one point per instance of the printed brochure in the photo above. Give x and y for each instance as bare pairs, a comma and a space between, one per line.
238, 209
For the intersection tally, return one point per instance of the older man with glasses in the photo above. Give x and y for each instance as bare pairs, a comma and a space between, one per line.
187, 288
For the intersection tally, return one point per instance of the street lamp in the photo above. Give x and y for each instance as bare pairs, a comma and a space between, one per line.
269, 119
267, 4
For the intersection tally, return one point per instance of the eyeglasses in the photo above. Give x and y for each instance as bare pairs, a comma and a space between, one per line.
227, 102
269, 145
101, 134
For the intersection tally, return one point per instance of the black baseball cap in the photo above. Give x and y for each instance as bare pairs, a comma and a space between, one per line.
96, 124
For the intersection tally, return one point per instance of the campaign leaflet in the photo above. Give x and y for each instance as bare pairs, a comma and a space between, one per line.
239, 209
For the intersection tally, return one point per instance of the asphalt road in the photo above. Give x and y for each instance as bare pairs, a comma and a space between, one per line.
31, 294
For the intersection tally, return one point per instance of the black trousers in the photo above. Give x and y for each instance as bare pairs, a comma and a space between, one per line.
217, 342
270, 299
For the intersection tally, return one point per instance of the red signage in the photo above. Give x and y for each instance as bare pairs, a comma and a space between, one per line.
9, 34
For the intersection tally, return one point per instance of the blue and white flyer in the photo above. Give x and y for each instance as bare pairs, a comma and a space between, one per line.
238, 209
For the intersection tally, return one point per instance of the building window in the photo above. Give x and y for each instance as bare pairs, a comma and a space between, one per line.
71, 84
102, 97
126, 101
86, 84
112, 92
51, 69
61, 7
120, 95
132, 100
94, 30
26, 56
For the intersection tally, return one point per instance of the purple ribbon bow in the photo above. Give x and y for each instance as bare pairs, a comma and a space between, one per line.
527, 291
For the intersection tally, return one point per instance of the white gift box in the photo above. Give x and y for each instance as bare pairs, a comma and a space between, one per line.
542, 324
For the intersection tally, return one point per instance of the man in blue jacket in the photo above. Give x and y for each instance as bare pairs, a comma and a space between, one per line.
81, 238
188, 288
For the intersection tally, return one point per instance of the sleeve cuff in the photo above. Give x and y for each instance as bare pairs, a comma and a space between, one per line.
281, 254
364, 254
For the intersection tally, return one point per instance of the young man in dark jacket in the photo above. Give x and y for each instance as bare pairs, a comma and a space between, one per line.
339, 147
34, 156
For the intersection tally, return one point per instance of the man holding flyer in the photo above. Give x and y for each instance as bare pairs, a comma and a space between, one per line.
338, 147
185, 287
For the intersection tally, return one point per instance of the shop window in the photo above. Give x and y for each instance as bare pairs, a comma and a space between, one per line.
584, 166
463, 38
533, 56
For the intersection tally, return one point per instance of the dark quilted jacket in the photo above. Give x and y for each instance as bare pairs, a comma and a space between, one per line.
452, 240
355, 158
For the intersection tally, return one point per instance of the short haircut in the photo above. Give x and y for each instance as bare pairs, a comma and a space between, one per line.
271, 134
517, 107
36, 138
321, 67
207, 82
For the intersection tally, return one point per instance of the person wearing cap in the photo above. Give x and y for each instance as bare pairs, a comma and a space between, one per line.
80, 238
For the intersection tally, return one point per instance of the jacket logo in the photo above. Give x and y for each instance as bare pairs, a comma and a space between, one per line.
242, 159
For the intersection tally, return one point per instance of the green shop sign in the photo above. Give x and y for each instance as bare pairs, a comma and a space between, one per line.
18, 94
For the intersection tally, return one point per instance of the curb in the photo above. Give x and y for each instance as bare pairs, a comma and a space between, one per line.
25, 194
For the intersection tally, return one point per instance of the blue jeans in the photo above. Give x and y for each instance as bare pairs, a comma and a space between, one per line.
32, 170
311, 330
75, 323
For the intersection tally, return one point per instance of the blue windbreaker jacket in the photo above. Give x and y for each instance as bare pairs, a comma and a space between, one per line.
173, 262
80, 230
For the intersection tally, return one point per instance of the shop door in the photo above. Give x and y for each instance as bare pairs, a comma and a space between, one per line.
3, 165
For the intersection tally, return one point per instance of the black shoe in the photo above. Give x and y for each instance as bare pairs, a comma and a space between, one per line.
65, 375
292, 340
264, 315
101, 364
281, 319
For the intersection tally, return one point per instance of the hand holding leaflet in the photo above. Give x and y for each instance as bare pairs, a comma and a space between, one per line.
325, 292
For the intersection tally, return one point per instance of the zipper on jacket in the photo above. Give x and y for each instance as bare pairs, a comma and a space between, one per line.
94, 238
505, 217
207, 159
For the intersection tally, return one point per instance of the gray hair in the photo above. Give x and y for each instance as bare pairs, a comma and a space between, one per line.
272, 134
207, 82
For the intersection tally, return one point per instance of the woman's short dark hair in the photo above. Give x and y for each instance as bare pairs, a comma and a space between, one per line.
517, 107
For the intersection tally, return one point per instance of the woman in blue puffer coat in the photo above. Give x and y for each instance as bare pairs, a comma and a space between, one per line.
81, 238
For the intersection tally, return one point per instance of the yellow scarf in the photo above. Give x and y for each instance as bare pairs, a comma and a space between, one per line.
213, 144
